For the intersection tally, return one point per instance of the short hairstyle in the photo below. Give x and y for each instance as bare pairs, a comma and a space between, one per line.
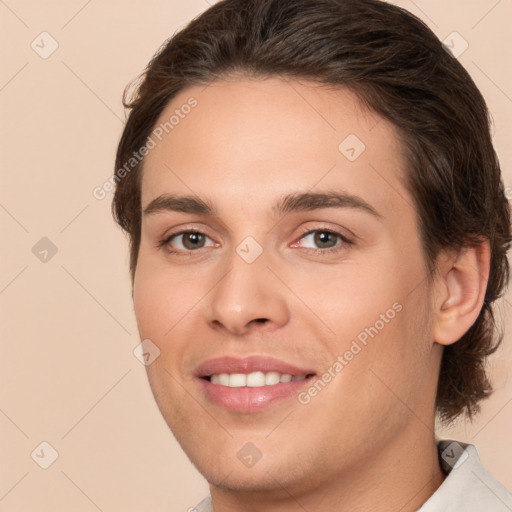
398, 68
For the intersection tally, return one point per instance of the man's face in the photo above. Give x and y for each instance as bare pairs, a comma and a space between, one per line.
332, 292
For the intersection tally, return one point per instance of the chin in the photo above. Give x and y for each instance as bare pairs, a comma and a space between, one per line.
239, 479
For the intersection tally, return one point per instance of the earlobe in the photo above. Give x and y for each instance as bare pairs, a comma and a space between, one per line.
460, 292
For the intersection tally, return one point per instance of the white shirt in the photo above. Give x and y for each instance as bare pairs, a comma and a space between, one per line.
468, 487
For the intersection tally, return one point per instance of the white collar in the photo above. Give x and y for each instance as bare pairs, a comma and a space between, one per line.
468, 486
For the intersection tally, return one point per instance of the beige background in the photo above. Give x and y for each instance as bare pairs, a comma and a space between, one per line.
68, 373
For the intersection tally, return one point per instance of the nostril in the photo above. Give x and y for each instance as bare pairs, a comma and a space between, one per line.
260, 320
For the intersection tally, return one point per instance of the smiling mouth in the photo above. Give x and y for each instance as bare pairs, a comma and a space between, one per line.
255, 379
252, 383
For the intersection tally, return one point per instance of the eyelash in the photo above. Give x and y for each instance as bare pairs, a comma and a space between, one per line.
333, 250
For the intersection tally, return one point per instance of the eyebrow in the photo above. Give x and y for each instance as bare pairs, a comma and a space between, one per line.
304, 201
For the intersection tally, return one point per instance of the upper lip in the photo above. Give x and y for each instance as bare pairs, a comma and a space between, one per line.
230, 364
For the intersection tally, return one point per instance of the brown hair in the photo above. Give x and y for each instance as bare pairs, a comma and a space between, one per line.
400, 69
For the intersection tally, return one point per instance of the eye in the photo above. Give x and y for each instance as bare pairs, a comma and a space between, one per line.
187, 241
323, 240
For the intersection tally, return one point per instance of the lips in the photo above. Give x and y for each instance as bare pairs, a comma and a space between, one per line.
250, 384
248, 365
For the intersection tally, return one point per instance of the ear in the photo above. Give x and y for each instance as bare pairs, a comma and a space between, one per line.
461, 282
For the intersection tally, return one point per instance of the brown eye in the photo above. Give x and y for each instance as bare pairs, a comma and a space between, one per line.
193, 240
321, 239
187, 241
325, 239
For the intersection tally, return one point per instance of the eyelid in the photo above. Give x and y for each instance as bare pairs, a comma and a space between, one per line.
187, 228
322, 227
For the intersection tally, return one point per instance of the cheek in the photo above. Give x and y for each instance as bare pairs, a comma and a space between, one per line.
351, 303
161, 310
148, 302
376, 325
167, 304
162, 298
384, 375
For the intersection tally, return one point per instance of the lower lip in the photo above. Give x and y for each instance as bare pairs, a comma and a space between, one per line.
247, 399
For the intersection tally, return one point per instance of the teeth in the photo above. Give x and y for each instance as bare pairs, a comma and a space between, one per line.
223, 379
272, 378
237, 380
253, 380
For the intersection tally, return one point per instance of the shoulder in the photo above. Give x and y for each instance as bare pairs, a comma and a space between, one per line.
468, 486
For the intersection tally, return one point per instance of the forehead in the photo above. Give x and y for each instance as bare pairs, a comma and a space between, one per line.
257, 139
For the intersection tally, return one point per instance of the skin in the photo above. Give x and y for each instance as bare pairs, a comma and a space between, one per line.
366, 441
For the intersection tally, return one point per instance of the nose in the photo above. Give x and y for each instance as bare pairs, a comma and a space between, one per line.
247, 298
